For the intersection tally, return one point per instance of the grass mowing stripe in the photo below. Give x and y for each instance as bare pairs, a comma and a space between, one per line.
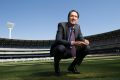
100, 68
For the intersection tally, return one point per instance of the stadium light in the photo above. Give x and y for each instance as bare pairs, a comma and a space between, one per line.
10, 26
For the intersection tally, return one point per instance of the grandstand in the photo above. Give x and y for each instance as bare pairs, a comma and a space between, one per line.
108, 42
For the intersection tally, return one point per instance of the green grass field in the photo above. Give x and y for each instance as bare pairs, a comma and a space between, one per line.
92, 68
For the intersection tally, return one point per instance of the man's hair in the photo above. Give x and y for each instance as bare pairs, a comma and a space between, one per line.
71, 12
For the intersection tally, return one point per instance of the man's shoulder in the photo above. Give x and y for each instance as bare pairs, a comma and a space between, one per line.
77, 25
63, 23
66, 23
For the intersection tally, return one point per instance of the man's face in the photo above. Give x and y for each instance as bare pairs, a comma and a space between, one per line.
73, 18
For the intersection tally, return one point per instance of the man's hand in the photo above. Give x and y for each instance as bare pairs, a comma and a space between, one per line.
80, 43
73, 43
86, 42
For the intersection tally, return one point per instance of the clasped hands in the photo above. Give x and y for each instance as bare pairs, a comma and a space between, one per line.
80, 43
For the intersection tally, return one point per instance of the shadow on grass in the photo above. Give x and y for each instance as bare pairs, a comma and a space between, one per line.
43, 74
48, 74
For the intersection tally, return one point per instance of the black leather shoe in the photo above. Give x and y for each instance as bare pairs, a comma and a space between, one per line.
73, 70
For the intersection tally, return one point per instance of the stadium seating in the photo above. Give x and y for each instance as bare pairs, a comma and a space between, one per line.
108, 42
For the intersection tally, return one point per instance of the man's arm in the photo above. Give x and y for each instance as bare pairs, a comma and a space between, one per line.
60, 36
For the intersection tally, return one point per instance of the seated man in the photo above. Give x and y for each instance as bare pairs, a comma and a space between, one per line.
69, 43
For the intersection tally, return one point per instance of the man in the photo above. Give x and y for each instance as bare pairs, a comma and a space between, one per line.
69, 43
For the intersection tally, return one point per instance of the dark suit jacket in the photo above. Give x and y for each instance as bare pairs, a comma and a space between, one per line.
62, 35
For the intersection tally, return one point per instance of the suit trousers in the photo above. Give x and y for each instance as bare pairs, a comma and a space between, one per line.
63, 52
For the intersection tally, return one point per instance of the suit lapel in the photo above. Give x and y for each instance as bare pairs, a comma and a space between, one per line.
67, 31
76, 31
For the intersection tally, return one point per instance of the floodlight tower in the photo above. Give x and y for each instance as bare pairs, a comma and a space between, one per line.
10, 26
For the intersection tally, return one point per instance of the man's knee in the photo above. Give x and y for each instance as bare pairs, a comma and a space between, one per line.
59, 51
88, 47
60, 48
84, 48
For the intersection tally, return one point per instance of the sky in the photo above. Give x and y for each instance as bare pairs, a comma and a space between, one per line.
38, 19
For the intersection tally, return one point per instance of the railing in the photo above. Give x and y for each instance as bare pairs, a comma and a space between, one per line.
14, 53
35, 53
